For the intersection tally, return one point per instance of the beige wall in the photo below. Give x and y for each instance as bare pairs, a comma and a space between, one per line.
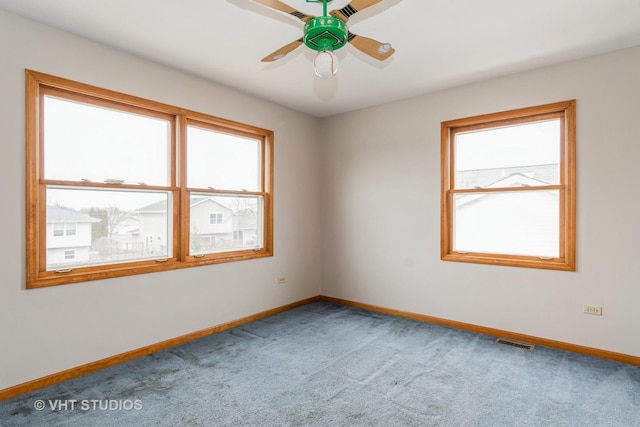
44, 331
379, 204
381, 209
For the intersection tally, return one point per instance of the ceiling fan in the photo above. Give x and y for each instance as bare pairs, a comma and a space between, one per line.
328, 33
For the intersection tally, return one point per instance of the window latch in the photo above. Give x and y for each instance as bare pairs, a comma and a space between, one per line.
113, 181
63, 270
162, 260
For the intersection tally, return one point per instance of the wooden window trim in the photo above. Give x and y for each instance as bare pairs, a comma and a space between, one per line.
37, 85
565, 110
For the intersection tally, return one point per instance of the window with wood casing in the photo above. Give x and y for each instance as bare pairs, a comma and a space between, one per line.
508, 188
130, 186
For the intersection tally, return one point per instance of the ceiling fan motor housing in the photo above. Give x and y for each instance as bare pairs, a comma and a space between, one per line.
325, 33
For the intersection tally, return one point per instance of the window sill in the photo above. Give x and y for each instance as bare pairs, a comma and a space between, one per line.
512, 261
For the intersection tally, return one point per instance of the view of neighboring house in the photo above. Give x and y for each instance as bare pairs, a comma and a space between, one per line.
152, 228
69, 237
124, 236
547, 173
72, 238
213, 226
524, 223
245, 226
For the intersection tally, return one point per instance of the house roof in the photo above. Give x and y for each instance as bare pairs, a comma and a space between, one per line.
517, 180
513, 180
161, 206
57, 214
547, 173
197, 201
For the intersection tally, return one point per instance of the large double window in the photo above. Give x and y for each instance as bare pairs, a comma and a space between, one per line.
508, 188
131, 186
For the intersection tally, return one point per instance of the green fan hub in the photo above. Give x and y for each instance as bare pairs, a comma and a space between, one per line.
325, 33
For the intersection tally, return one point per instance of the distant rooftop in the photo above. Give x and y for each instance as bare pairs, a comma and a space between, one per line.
63, 215
483, 178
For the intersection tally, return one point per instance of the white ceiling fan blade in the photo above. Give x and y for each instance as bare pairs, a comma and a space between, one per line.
282, 7
283, 51
352, 8
373, 48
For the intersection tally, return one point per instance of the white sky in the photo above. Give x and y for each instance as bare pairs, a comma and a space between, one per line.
523, 145
215, 159
85, 142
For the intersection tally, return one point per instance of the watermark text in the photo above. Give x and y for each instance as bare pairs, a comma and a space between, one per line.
88, 404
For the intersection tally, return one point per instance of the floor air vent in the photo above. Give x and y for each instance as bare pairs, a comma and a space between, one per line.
522, 345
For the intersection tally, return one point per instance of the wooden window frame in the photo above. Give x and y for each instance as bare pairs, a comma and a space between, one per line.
37, 85
566, 187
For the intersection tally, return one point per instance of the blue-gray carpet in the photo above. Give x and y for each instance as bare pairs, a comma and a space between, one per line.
328, 365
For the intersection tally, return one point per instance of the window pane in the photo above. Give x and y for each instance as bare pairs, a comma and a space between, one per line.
109, 226
222, 161
240, 225
516, 223
521, 155
83, 141
58, 229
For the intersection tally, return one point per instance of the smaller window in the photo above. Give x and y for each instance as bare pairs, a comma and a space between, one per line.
70, 254
238, 235
216, 218
58, 229
70, 229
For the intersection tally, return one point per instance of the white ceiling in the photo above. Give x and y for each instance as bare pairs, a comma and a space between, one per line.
439, 43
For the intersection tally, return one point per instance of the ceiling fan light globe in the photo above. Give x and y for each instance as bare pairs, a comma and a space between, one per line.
384, 48
325, 64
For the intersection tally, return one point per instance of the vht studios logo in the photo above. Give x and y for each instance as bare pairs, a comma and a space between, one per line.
88, 405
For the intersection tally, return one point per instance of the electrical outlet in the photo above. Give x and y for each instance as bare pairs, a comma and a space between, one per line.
282, 279
592, 309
